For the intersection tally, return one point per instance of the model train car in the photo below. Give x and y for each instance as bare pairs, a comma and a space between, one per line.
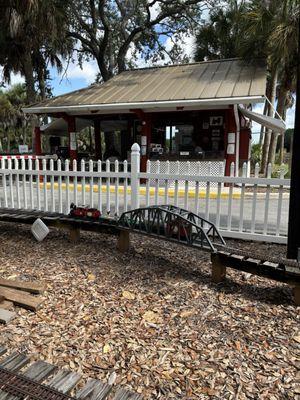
84, 212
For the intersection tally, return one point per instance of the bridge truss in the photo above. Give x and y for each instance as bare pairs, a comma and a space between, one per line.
174, 224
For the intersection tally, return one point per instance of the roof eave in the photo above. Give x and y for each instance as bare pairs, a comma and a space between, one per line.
143, 105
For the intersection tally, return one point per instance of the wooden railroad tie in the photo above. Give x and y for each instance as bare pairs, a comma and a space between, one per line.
278, 272
21, 378
18, 293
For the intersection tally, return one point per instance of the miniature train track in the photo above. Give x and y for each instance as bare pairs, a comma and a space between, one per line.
176, 225
20, 378
280, 262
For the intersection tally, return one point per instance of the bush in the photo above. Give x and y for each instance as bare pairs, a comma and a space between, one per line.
277, 168
256, 153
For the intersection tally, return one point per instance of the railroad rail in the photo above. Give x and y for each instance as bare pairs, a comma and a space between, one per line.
176, 225
22, 379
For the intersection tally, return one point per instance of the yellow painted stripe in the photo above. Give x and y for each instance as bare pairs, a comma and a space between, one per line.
161, 191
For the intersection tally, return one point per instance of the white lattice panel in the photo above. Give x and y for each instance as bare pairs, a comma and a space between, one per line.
193, 168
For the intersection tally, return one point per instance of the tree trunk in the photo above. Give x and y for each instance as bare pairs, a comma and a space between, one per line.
105, 73
280, 110
262, 129
29, 78
282, 136
265, 150
272, 148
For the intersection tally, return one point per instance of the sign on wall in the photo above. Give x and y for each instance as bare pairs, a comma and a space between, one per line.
23, 148
73, 143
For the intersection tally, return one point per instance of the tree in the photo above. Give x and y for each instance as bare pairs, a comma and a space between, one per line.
283, 44
32, 37
109, 30
269, 30
14, 127
217, 38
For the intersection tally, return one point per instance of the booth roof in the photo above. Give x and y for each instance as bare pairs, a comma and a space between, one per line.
220, 82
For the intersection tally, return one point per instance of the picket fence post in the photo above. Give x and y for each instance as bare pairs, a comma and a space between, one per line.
134, 176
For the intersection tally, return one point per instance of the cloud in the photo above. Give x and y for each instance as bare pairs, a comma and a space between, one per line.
14, 78
188, 46
88, 71
154, 10
186, 42
290, 117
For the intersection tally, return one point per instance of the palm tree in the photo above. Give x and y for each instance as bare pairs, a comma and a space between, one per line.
283, 44
217, 38
32, 36
13, 125
270, 31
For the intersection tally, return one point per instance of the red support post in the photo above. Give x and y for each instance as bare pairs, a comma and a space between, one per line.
37, 141
146, 135
230, 127
97, 132
72, 137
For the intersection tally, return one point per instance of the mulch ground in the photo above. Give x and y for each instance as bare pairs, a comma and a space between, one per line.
153, 319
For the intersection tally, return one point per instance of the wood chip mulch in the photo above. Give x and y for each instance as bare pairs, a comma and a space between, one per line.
153, 318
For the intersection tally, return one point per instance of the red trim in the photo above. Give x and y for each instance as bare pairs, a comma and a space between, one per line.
37, 140
97, 132
230, 126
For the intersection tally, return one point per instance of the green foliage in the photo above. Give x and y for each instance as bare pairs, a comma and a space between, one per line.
14, 127
116, 33
33, 38
256, 153
218, 38
277, 169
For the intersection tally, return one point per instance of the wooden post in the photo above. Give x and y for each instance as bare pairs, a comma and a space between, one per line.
296, 293
37, 141
72, 137
38, 147
146, 133
134, 176
74, 234
123, 241
97, 132
218, 272
293, 245
230, 127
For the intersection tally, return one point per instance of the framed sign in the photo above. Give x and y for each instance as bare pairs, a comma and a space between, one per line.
231, 137
216, 121
73, 144
230, 149
23, 148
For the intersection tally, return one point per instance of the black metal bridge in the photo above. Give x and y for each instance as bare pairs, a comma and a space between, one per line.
173, 224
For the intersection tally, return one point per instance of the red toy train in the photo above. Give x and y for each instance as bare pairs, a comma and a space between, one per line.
84, 212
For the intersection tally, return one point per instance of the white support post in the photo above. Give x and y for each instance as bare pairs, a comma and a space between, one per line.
135, 180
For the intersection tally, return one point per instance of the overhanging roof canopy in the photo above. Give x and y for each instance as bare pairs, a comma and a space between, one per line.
273, 123
208, 83
59, 126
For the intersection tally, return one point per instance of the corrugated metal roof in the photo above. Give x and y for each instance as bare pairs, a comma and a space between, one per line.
197, 81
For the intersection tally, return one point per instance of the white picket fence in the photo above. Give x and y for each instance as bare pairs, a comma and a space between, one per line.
241, 207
